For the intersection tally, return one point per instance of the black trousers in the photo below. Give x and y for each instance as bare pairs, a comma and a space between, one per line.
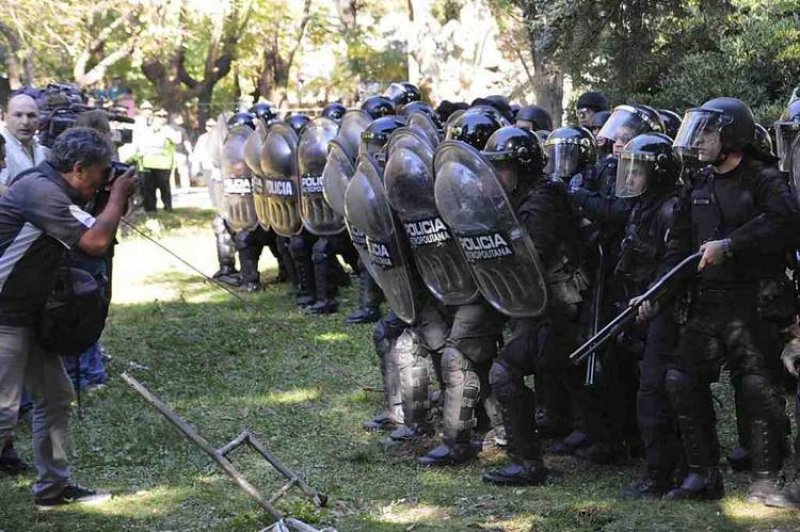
153, 180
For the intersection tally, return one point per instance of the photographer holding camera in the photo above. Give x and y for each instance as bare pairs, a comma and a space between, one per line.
42, 216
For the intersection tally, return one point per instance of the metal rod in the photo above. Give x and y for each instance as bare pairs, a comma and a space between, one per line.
597, 304
234, 443
319, 498
190, 433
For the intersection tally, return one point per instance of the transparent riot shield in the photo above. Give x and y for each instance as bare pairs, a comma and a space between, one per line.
408, 179
237, 200
502, 256
279, 179
367, 208
312, 151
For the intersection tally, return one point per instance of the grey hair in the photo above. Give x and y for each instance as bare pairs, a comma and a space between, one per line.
80, 145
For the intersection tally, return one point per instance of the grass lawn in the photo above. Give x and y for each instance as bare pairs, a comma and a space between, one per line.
297, 383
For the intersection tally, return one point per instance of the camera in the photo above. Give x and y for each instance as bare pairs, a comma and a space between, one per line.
114, 171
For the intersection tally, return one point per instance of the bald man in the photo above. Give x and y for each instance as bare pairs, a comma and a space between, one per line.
22, 149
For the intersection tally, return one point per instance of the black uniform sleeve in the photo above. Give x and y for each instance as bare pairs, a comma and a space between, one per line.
772, 230
544, 214
679, 238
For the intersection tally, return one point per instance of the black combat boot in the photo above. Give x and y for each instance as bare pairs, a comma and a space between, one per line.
526, 467
704, 479
368, 301
767, 456
654, 484
449, 455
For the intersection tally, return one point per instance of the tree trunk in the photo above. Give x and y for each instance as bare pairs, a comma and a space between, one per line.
15, 78
548, 86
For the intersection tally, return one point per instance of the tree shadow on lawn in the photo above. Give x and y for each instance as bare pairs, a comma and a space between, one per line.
296, 381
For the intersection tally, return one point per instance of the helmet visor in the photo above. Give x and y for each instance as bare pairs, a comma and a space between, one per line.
785, 133
563, 159
699, 136
633, 175
623, 124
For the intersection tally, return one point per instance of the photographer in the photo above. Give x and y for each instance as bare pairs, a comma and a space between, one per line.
41, 217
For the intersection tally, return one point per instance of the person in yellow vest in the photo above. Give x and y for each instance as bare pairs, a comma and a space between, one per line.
155, 158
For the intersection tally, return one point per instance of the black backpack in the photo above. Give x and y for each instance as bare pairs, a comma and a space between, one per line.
75, 313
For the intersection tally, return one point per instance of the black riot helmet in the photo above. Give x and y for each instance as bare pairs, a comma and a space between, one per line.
402, 93
374, 138
569, 150
264, 111
475, 125
786, 131
242, 119
709, 132
420, 107
516, 155
646, 164
334, 110
378, 106
672, 122
297, 122
628, 121
534, 118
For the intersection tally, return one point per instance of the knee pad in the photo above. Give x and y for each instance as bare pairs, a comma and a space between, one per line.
680, 389
415, 376
320, 251
218, 225
503, 382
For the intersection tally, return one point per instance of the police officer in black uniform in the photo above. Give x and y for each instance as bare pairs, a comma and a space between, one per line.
741, 214
648, 172
473, 341
544, 210
609, 427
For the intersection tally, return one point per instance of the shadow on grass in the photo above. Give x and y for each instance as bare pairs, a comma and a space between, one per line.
295, 381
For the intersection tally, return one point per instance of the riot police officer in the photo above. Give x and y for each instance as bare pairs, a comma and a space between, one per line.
472, 343
534, 118
610, 419
544, 212
740, 214
648, 172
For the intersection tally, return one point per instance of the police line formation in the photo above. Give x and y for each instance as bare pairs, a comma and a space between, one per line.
465, 224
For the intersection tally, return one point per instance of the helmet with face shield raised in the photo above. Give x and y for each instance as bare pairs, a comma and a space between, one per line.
646, 164
569, 150
516, 155
719, 126
628, 121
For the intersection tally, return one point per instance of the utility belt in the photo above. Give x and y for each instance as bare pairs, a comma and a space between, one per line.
773, 298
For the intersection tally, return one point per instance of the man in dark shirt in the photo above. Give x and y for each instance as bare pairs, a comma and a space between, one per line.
41, 217
740, 213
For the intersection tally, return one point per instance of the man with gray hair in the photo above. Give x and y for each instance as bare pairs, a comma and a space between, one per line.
22, 149
41, 217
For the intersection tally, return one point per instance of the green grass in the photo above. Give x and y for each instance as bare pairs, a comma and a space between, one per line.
296, 382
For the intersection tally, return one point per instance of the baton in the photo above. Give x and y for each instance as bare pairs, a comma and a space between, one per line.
615, 326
